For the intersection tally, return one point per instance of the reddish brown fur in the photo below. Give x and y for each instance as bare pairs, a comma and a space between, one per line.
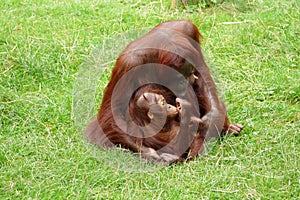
160, 46
167, 139
171, 126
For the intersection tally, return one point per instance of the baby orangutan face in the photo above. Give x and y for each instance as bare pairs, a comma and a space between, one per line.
156, 105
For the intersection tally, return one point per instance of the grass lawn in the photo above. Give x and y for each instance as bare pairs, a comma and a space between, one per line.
48, 48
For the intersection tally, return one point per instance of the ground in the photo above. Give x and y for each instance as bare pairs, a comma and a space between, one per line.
253, 48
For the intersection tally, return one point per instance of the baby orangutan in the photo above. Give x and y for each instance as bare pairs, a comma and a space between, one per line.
156, 125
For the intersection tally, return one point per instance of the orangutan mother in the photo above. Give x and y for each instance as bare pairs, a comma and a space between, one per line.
169, 56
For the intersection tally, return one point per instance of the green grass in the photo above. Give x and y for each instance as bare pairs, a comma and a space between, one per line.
254, 48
